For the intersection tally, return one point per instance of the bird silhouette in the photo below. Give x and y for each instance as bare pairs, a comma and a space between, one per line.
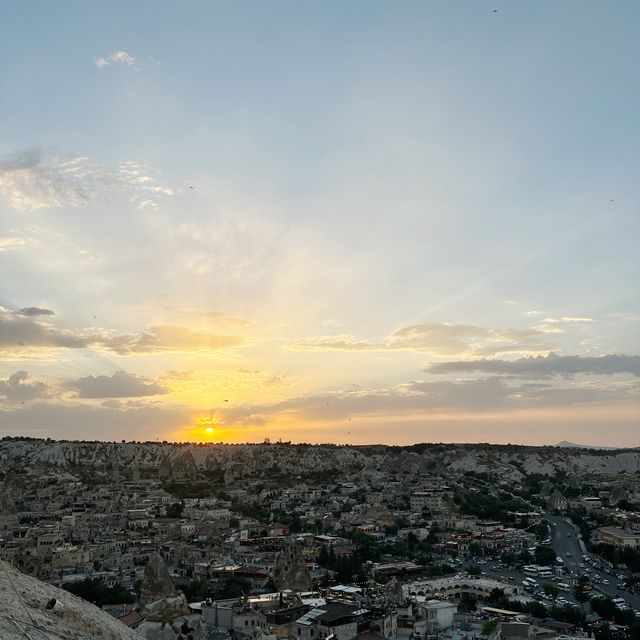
495, 11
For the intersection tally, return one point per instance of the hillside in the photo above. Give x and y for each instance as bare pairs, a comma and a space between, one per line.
256, 460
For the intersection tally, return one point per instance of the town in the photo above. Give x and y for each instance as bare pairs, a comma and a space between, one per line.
282, 541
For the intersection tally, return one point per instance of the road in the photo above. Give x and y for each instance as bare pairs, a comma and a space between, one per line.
564, 539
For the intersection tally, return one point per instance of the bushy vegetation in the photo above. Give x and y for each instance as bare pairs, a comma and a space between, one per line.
97, 592
489, 507
627, 556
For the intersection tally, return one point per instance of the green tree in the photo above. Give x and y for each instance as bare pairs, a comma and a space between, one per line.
467, 602
175, 510
542, 530
323, 557
550, 589
489, 627
579, 590
96, 591
545, 555
235, 587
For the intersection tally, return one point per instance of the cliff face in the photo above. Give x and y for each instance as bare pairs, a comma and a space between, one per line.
247, 460
23, 607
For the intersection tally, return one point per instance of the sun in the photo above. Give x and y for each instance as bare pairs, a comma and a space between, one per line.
207, 424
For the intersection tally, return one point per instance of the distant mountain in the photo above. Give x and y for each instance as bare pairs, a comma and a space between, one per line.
572, 445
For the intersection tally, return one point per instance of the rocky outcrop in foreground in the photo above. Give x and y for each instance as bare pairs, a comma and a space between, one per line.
44, 611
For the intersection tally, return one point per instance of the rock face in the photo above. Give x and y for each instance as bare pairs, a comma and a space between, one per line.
8, 513
166, 608
189, 627
244, 461
290, 571
156, 583
23, 607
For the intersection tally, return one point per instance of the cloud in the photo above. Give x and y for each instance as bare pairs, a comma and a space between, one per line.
73, 420
120, 385
546, 366
554, 325
566, 319
18, 331
439, 339
119, 57
170, 338
36, 179
429, 398
122, 57
16, 388
35, 311
9, 243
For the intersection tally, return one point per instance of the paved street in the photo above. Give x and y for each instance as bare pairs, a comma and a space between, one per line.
564, 539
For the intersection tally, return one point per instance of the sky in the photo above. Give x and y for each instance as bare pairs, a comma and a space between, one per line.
350, 222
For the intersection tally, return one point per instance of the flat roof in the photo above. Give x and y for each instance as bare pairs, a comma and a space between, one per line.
503, 612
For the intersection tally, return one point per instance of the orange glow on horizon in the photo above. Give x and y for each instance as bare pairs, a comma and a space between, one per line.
405, 429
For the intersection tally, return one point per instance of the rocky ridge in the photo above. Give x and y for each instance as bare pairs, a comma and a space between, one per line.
245, 460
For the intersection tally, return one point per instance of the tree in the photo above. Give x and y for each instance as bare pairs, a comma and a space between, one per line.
234, 587
175, 510
579, 590
467, 602
489, 627
542, 530
545, 555
604, 607
474, 570
323, 557
475, 549
98, 592
550, 589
